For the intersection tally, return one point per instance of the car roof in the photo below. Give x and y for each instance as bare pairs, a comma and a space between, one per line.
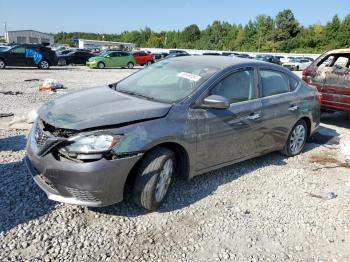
223, 61
339, 51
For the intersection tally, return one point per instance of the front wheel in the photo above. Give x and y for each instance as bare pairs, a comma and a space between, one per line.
101, 65
153, 178
2, 64
44, 64
130, 65
149, 63
296, 139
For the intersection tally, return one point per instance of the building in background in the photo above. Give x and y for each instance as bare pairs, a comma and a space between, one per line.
28, 37
84, 43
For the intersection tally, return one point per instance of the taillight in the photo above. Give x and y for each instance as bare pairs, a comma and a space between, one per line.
319, 97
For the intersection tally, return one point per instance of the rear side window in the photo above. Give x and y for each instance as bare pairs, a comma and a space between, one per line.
237, 87
273, 83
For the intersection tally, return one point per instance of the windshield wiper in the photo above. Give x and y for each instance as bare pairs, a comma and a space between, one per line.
132, 93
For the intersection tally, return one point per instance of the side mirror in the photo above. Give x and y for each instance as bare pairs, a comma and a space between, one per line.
108, 56
216, 102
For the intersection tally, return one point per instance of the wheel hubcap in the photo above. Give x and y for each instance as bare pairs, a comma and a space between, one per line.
297, 139
44, 64
164, 180
2, 64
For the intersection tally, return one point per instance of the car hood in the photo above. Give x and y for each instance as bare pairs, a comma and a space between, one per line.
98, 107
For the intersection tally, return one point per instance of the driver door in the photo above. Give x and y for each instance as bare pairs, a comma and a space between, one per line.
17, 57
227, 135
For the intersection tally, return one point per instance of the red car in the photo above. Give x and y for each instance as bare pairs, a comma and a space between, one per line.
330, 73
143, 58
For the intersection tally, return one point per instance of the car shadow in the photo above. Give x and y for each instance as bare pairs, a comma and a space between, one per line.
184, 193
337, 118
53, 68
21, 200
13, 143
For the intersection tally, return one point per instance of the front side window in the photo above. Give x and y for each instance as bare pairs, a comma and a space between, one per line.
237, 87
273, 83
19, 50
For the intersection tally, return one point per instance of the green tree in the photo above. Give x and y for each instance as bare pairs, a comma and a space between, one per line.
286, 25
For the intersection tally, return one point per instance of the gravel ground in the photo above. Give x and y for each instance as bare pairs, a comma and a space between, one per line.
270, 208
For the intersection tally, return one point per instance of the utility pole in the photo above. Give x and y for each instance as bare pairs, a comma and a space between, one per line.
5, 25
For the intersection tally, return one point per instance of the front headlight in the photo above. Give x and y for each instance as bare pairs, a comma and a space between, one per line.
92, 144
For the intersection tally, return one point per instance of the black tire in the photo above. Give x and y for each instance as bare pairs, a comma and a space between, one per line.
44, 64
130, 65
287, 150
101, 65
2, 64
148, 176
297, 68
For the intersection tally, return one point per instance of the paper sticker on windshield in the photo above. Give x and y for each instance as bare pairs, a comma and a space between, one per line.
189, 76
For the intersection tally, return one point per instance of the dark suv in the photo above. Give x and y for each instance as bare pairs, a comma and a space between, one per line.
27, 55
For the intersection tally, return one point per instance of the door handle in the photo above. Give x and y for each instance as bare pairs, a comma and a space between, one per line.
293, 108
253, 116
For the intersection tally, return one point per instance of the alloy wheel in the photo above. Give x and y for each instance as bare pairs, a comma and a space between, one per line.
297, 139
44, 65
2, 64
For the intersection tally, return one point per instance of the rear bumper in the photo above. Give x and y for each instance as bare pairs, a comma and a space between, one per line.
95, 184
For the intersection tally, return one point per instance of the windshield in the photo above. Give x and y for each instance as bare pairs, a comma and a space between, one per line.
167, 81
4, 48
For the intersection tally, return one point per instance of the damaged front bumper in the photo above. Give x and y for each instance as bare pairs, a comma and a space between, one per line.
95, 183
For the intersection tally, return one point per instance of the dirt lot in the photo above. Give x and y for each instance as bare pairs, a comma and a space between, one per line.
270, 208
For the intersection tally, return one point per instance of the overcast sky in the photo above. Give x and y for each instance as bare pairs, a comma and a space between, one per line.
108, 16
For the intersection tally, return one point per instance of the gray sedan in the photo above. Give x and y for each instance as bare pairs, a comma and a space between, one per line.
179, 117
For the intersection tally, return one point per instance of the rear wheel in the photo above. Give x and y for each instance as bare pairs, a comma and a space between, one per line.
101, 65
296, 139
44, 64
130, 65
153, 178
2, 64
297, 68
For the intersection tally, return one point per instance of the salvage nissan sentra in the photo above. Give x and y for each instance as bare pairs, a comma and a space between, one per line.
182, 116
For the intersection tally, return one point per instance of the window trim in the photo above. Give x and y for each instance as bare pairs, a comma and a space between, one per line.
281, 72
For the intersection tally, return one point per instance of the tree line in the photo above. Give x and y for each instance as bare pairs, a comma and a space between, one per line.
282, 33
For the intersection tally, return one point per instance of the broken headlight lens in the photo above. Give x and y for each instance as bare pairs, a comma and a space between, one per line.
92, 144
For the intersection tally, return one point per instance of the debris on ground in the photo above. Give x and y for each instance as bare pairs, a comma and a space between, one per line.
27, 118
6, 114
331, 195
328, 160
50, 85
13, 93
31, 80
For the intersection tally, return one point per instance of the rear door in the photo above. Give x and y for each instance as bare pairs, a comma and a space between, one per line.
336, 90
226, 135
280, 108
